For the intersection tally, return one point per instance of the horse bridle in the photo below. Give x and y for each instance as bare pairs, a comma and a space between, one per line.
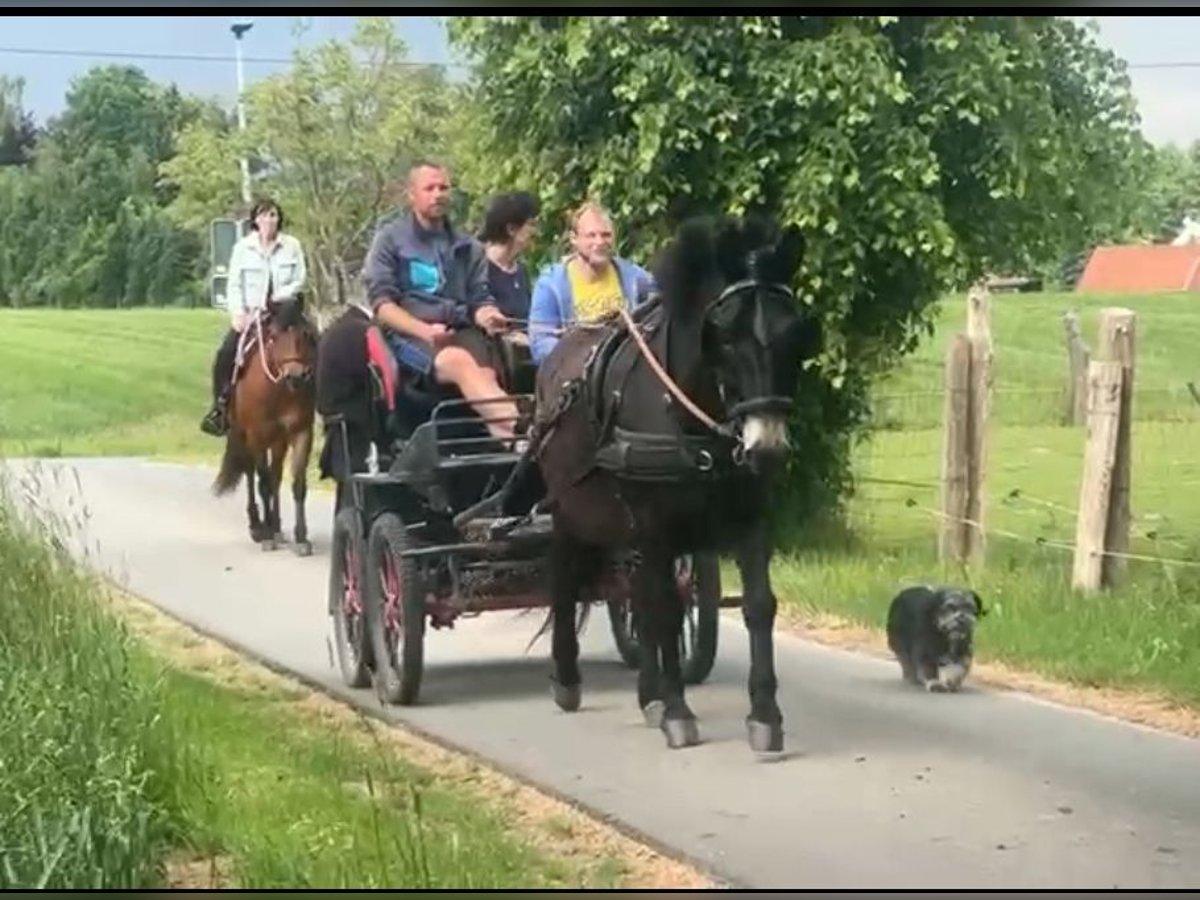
727, 427
262, 353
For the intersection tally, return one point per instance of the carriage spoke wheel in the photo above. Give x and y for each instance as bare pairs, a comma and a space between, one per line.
698, 579
351, 638
395, 612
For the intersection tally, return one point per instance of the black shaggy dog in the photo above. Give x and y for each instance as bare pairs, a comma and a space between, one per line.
932, 632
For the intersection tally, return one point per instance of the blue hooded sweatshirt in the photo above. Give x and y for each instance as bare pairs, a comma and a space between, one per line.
552, 307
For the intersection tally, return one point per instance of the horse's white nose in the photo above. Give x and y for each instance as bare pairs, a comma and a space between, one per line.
765, 434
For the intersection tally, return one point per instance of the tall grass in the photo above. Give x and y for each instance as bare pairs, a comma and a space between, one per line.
87, 763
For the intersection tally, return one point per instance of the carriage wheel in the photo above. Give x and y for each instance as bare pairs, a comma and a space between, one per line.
351, 638
395, 612
699, 581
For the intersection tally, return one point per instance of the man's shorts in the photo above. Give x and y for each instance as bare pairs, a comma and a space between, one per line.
416, 356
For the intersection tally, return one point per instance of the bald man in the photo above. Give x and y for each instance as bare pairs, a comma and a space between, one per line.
427, 284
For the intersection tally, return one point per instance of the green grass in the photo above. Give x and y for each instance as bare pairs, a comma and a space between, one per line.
89, 769
296, 804
107, 382
115, 757
1031, 364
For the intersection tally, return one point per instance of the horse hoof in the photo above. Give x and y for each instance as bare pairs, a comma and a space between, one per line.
765, 737
304, 548
653, 713
567, 696
269, 544
681, 733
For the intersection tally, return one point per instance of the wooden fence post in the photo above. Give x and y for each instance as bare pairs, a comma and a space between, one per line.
1077, 370
956, 451
1095, 491
979, 332
1116, 344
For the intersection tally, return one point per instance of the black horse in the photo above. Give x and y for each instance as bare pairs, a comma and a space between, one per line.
665, 440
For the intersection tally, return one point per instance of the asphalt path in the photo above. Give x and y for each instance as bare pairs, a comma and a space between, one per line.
881, 785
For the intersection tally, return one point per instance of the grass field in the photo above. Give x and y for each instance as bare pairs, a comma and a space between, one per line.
133, 763
136, 382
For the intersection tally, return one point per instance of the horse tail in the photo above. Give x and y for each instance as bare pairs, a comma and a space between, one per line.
233, 467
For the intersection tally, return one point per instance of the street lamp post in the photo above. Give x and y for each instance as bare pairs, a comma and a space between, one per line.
240, 27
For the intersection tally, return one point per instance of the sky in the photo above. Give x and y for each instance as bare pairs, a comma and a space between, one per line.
1167, 94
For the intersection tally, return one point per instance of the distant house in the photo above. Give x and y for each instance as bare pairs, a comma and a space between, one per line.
1145, 268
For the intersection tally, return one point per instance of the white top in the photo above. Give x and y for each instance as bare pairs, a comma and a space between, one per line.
249, 268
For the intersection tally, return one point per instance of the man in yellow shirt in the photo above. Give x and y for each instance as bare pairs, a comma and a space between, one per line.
589, 283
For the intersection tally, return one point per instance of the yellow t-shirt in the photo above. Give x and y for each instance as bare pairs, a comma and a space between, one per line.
594, 298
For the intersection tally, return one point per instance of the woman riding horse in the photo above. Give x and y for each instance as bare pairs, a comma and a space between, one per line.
265, 265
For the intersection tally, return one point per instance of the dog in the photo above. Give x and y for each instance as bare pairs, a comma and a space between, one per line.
932, 632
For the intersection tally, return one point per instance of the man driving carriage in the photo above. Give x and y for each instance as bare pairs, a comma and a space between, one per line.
265, 265
427, 284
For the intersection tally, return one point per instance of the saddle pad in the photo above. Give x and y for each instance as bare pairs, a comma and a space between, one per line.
380, 355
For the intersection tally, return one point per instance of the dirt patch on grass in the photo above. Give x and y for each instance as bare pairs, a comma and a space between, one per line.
183, 871
1140, 707
594, 852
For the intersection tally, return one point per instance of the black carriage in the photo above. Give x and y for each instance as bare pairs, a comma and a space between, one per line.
417, 544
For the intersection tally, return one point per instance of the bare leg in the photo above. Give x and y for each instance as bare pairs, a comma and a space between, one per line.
456, 366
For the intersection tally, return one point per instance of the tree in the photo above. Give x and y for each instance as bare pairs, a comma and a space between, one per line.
18, 132
83, 222
333, 135
916, 152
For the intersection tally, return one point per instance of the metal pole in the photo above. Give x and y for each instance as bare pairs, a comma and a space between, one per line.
240, 28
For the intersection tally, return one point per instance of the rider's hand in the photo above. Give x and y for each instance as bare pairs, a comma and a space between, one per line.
437, 333
239, 322
490, 319
519, 338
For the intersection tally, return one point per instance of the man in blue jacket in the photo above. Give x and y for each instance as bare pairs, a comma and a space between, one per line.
427, 284
589, 283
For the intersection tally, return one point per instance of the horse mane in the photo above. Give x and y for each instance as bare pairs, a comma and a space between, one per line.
290, 314
708, 252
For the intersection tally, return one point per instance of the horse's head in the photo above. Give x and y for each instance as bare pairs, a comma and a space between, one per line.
735, 276
291, 343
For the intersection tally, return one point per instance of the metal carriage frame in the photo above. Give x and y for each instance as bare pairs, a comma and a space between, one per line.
412, 547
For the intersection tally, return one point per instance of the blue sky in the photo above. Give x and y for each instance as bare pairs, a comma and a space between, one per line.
1167, 97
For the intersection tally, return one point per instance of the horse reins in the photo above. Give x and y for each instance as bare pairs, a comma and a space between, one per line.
668, 382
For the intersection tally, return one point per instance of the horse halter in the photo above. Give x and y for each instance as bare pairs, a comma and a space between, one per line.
771, 403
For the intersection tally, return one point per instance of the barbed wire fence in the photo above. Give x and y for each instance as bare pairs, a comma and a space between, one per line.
1098, 471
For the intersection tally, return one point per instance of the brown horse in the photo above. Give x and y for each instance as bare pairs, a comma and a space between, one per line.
271, 411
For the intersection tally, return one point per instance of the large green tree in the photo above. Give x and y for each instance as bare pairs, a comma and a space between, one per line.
916, 152
331, 137
84, 223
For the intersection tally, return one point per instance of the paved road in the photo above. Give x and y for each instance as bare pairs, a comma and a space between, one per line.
884, 787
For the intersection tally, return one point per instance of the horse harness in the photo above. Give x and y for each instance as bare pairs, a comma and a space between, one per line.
650, 456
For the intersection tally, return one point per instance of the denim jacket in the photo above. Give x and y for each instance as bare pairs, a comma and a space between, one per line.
249, 268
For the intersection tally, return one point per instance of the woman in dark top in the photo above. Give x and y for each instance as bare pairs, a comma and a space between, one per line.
509, 225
